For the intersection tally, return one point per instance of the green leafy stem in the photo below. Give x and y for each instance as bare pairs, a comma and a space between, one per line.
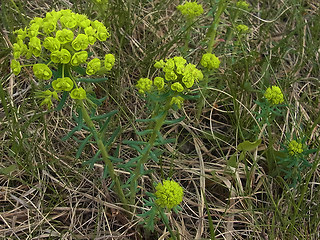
105, 155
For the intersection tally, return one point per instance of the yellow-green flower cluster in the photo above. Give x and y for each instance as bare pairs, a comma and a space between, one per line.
243, 5
169, 194
179, 75
210, 61
274, 95
190, 9
241, 28
61, 37
58, 30
295, 148
64, 35
144, 85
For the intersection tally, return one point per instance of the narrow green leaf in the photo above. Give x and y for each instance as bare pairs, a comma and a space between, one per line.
113, 136
145, 132
62, 101
82, 145
133, 143
104, 116
80, 70
174, 121
115, 159
69, 135
97, 101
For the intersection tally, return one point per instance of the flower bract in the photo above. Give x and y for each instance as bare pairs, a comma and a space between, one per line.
210, 61
93, 66
62, 84
78, 93
15, 66
42, 71
109, 61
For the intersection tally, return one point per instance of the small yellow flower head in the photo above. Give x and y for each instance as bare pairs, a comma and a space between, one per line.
169, 65
242, 28
177, 87
62, 84
81, 42
243, 5
295, 148
82, 21
171, 76
274, 95
21, 34
144, 85
79, 57
169, 194
42, 71
15, 67
210, 61
188, 80
191, 70
33, 30
93, 66
159, 64
49, 25
52, 44
180, 64
91, 33
78, 93
35, 46
102, 32
68, 21
20, 49
179, 61
159, 82
177, 101
64, 36
109, 61
62, 56
190, 9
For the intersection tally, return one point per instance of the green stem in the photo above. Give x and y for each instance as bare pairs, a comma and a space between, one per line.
187, 37
230, 31
166, 222
212, 32
211, 227
145, 156
303, 192
104, 154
